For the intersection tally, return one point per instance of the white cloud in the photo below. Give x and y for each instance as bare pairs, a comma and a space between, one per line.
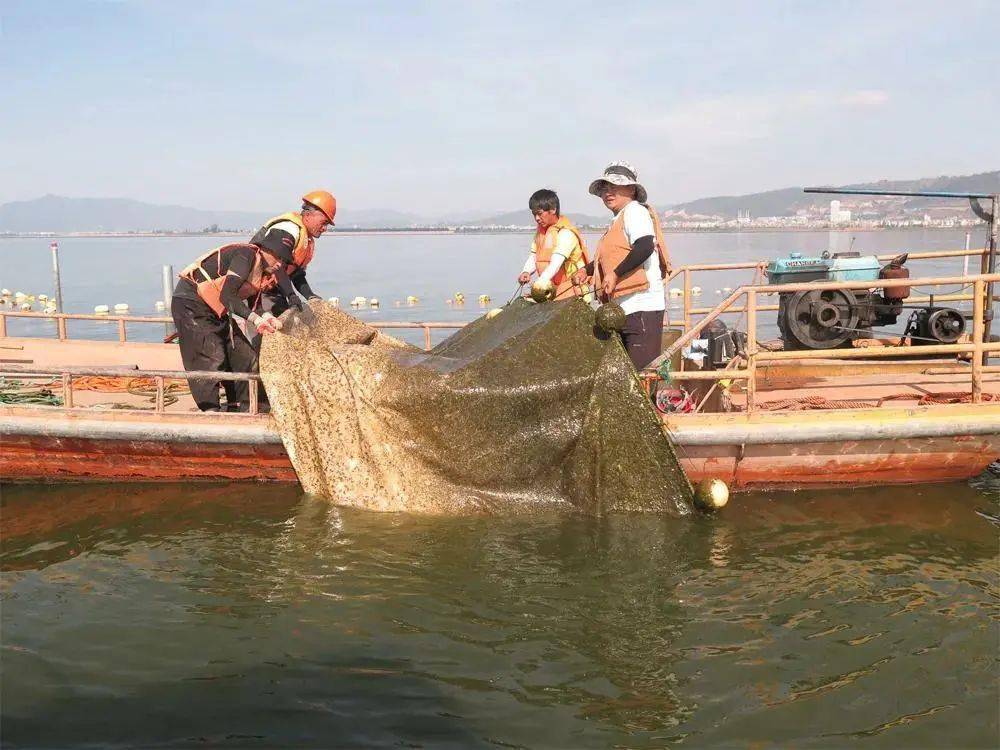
733, 119
865, 98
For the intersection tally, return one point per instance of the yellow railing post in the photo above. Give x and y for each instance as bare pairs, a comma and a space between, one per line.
159, 393
427, 338
121, 330
253, 385
61, 328
978, 328
687, 299
751, 350
67, 389
3, 325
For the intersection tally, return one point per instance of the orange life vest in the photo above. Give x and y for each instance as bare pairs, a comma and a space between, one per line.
613, 248
545, 244
261, 279
305, 246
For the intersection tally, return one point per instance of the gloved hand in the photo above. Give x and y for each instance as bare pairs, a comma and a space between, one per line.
580, 277
524, 278
265, 323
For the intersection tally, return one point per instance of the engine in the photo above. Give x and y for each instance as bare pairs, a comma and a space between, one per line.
829, 318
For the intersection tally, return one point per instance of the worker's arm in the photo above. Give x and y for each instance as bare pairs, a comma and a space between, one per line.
528, 268
641, 249
240, 265
299, 282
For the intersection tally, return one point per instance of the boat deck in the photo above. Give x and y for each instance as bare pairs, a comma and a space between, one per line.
51, 353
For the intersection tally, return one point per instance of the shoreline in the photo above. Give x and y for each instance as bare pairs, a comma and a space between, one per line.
524, 230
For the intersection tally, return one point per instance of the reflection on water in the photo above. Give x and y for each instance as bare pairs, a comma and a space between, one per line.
253, 616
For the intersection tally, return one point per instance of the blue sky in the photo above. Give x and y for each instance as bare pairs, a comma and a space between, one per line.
434, 107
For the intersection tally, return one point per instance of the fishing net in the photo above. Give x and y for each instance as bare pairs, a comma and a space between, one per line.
531, 407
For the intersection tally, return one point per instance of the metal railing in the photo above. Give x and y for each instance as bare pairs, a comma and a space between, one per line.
62, 332
755, 355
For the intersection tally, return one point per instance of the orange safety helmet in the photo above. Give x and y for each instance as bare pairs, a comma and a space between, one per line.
324, 201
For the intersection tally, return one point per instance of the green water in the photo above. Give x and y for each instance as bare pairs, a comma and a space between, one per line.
251, 616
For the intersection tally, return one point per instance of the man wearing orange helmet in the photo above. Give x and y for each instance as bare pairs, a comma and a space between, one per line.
297, 232
292, 233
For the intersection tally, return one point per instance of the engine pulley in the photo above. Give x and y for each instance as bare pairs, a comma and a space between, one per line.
945, 325
818, 318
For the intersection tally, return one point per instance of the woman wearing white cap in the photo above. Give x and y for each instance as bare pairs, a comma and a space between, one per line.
631, 261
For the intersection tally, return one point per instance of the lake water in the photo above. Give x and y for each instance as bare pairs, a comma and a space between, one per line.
390, 267
254, 616
251, 616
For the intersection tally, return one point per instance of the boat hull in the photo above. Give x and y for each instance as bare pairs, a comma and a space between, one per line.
790, 451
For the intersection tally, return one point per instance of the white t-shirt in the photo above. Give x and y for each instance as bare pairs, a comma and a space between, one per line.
565, 242
638, 223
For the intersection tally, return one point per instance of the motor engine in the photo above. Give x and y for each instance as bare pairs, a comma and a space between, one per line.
935, 325
828, 318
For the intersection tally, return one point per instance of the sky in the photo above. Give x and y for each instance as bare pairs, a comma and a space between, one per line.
443, 107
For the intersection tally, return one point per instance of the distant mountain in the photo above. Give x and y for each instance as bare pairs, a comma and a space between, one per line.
787, 201
379, 218
54, 213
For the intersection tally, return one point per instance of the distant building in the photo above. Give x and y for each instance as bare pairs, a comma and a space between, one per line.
837, 216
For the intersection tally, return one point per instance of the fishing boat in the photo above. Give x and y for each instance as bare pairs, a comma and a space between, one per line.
829, 403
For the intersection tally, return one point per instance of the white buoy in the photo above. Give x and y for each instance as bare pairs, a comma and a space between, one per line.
718, 291
25, 306
675, 292
335, 301
42, 297
121, 307
696, 291
727, 289
102, 309
711, 495
411, 300
374, 302
159, 304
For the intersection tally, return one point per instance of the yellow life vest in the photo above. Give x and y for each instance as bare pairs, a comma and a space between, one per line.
304, 248
209, 288
544, 245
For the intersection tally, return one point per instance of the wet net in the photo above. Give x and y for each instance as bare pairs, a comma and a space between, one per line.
531, 407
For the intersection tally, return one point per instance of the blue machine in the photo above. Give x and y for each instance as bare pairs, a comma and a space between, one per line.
837, 267
828, 318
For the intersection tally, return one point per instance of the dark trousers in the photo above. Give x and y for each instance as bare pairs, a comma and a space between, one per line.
642, 336
206, 344
244, 356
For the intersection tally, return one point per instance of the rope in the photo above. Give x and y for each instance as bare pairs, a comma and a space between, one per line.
811, 403
20, 393
139, 386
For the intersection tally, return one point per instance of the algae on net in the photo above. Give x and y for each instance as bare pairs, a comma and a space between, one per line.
533, 406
